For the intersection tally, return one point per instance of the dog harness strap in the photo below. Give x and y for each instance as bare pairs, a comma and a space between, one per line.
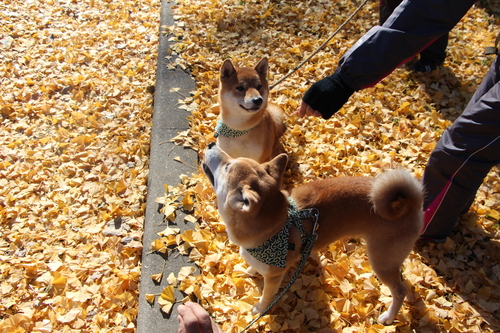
274, 251
293, 214
296, 216
224, 130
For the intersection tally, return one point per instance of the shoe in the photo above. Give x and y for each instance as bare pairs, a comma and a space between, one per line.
424, 66
424, 239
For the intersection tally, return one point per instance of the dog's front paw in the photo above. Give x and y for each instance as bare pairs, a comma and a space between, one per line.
257, 308
251, 270
385, 318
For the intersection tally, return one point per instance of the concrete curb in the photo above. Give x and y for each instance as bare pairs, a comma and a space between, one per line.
168, 120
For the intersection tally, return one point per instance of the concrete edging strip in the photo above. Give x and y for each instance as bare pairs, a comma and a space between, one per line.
168, 120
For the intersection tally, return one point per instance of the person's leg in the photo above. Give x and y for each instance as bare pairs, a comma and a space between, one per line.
433, 56
462, 158
386, 9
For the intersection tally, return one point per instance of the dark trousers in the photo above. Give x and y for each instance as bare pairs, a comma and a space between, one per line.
435, 52
462, 158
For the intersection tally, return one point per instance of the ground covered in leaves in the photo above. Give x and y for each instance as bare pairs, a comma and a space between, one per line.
75, 124
74, 142
395, 123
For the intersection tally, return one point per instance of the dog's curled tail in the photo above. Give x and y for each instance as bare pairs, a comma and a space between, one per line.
396, 193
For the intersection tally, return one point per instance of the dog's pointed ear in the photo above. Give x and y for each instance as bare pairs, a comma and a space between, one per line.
262, 67
244, 199
277, 166
227, 70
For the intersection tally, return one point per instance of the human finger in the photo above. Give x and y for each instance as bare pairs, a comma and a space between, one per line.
204, 320
306, 110
317, 114
301, 111
188, 321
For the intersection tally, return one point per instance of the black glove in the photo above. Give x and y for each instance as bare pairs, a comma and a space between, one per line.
328, 95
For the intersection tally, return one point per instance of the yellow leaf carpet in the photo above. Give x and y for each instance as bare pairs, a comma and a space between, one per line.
395, 123
74, 142
76, 119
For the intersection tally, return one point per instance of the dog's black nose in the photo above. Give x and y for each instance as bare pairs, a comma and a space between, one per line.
257, 101
211, 144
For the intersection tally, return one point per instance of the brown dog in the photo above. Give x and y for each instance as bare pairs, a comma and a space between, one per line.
249, 126
386, 211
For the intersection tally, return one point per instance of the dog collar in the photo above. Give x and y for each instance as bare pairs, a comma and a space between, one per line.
274, 251
224, 130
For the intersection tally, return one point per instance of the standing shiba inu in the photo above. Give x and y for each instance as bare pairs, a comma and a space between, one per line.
249, 126
385, 211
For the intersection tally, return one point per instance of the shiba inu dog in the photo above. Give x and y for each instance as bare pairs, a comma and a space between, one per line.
249, 126
386, 211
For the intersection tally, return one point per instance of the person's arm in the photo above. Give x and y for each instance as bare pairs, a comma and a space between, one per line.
413, 26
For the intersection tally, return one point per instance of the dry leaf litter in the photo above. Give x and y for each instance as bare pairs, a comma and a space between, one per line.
395, 123
75, 136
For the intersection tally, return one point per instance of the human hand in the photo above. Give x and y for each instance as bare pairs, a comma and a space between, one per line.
194, 319
306, 110
325, 97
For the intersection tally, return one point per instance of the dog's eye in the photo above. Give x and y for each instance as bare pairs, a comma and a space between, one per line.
259, 87
226, 167
240, 88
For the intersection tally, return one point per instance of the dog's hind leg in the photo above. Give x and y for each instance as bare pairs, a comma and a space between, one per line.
386, 262
398, 292
270, 291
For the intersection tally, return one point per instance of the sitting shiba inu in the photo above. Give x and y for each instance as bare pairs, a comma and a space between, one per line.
249, 126
386, 211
